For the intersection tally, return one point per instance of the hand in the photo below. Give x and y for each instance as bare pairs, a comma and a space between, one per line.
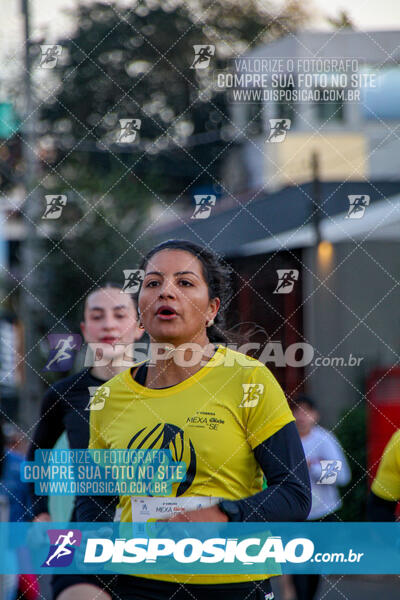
42, 517
204, 515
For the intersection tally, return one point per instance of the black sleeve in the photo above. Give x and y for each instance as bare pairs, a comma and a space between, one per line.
288, 496
49, 428
96, 508
379, 509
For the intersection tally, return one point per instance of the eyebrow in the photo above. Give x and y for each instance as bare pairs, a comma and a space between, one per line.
177, 273
114, 307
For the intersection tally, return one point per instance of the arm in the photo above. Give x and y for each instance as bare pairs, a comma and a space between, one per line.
96, 508
49, 428
277, 447
288, 496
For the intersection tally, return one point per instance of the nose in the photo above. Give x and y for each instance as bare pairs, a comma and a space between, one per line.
109, 322
167, 289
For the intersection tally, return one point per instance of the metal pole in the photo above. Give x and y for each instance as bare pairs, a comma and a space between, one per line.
316, 195
30, 307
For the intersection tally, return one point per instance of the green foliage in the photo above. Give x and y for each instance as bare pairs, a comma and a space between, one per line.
134, 62
351, 434
342, 21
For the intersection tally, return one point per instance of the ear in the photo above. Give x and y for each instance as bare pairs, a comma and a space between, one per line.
83, 329
213, 308
138, 334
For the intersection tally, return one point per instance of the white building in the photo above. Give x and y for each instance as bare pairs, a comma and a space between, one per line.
354, 139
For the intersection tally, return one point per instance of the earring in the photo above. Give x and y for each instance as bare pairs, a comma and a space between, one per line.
141, 326
209, 323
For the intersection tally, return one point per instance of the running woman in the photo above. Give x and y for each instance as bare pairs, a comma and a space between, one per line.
220, 412
110, 321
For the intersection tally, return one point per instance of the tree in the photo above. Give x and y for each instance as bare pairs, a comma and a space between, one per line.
342, 21
135, 64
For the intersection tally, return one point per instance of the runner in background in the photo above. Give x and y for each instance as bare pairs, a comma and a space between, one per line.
110, 320
328, 469
385, 490
221, 413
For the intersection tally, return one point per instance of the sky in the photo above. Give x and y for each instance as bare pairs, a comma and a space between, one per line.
366, 14
48, 18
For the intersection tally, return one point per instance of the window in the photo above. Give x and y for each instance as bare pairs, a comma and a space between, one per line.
330, 110
285, 109
255, 118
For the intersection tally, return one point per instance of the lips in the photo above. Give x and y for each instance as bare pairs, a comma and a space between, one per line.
109, 340
166, 312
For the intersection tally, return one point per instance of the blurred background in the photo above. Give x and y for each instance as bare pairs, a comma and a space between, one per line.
277, 206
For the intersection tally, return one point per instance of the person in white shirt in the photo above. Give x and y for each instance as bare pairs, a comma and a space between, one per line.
328, 469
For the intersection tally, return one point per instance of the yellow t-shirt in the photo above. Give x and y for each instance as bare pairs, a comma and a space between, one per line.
386, 484
212, 421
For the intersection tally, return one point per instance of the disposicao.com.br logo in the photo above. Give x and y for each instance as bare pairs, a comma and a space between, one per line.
192, 550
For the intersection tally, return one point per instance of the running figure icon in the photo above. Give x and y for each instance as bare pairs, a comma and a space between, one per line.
204, 204
357, 206
62, 550
287, 279
278, 129
55, 205
203, 55
63, 346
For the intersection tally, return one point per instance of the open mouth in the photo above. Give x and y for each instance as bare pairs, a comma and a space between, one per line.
166, 312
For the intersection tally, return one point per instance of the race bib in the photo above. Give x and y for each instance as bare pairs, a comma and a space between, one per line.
145, 509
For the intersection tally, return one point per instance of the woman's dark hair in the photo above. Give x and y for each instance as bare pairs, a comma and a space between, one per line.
110, 284
216, 274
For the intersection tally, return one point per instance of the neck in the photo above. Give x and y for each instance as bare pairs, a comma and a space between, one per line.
107, 372
305, 433
170, 368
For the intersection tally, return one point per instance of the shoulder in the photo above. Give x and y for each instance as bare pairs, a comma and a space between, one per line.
323, 434
395, 439
393, 446
116, 386
116, 381
73, 382
243, 363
